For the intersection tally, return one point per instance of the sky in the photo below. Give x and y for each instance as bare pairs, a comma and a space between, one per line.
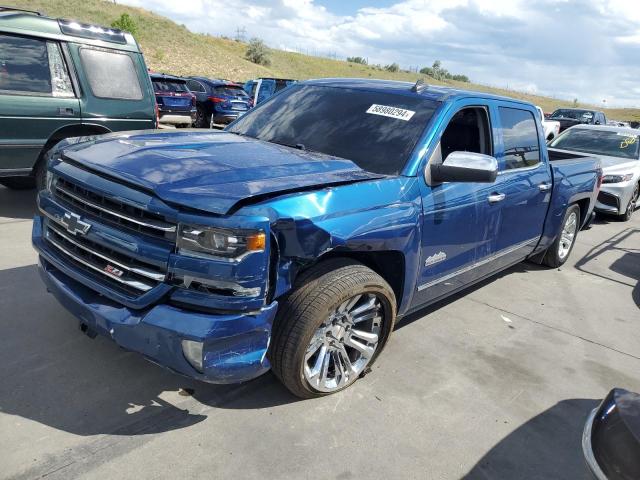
584, 49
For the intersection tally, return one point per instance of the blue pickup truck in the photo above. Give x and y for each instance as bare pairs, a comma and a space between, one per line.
295, 239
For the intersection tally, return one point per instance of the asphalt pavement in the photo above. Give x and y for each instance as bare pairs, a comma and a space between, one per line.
495, 383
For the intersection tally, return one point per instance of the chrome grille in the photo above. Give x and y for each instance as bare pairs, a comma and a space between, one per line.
120, 272
111, 211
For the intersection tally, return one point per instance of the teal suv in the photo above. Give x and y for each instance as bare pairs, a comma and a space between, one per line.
60, 79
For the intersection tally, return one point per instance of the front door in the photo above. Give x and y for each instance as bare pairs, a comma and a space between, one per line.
459, 224
36, 99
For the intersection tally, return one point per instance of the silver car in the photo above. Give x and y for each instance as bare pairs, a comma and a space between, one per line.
618, 149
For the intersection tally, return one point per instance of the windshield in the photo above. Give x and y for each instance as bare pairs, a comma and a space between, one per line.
169, 86
582, 115
375, 130
599, 142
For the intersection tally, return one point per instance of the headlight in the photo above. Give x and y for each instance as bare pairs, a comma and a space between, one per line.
617, 178
196, 240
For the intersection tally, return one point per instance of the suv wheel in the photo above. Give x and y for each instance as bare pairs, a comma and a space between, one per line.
203, 120
331, 328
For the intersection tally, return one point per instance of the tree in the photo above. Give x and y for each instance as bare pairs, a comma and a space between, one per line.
360, 60
126, 24
394, 67
257, 52
575, 102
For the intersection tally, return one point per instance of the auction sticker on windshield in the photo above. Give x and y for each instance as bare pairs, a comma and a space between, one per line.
392, 112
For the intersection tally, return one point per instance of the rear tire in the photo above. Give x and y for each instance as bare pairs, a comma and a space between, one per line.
18, 183
322, 313
558, 253
203, 120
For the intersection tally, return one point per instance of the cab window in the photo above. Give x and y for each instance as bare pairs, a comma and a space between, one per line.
520, 138
468, 131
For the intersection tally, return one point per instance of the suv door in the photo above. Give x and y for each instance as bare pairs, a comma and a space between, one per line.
459, 224
116, 88
36, 99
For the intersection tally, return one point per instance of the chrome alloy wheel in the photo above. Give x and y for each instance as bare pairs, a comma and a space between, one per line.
568, 235
342, 347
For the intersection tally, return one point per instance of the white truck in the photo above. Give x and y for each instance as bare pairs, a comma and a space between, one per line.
551, 127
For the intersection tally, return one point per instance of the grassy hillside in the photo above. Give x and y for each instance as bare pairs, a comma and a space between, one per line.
172, 48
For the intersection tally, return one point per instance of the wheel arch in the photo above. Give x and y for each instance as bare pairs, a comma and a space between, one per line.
68, 131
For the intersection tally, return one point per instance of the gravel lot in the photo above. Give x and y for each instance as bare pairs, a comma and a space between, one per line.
495, 383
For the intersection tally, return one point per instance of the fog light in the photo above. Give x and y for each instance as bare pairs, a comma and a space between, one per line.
193, 353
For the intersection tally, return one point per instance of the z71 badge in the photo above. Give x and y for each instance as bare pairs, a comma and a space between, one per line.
111, 270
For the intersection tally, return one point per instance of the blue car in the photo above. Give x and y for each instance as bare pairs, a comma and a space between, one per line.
295, 239
219, 102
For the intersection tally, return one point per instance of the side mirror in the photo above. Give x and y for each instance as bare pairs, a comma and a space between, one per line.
465, 167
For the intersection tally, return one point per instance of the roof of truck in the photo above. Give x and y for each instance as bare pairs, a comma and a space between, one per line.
25, 22
432, 92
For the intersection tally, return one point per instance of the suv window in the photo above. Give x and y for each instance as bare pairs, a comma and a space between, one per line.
195, 86
111, 74
24, 65
520, 138
169, 86
230, 90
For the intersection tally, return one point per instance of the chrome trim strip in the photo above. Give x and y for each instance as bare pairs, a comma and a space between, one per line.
484, 261
157, 226
137, 285
521, 169
587, 449
140, 271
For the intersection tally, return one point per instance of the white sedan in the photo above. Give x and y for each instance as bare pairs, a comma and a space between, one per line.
618, 149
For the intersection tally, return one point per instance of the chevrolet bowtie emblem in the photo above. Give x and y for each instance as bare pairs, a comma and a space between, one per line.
74, 225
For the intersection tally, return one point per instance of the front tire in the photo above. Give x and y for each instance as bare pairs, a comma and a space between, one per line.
203, 120
558, 253
631, 206
331, 328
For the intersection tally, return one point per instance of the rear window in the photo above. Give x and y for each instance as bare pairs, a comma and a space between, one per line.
599, 142
24, 65
230, 91
111, 74
520, 138
375, 130
169, 86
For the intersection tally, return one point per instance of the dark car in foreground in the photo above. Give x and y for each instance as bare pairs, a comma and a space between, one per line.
568, 117
295, 239
618, 149
219, 102
61, 79
176, 104
611, 438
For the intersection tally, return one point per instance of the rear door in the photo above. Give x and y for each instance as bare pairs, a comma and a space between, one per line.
117, 91
524, 183
36, 99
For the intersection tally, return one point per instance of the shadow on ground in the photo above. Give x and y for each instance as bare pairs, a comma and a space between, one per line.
627, 245
546, 447
17, 204
53, 374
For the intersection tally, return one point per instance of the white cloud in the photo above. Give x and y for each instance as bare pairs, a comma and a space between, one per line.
566, 48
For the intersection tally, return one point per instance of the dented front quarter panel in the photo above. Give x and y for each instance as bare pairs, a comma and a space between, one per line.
363, 218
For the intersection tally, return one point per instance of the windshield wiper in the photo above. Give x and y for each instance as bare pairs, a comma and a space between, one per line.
298, 146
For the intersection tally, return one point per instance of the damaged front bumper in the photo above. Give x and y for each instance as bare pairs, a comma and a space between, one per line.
234, 345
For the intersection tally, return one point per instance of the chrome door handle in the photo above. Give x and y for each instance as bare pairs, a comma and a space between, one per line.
496, 197
544, 187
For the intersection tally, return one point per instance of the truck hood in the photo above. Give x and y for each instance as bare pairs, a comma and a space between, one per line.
209, 171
